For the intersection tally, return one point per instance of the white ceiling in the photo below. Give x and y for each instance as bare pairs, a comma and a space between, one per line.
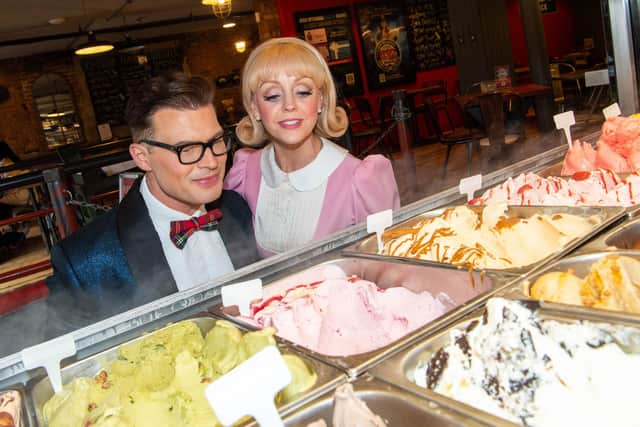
23, 19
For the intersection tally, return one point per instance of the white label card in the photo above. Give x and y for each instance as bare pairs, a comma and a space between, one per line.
241, 294
470, 185
564, 121
49, 354
378, 222
250, 389
611, 111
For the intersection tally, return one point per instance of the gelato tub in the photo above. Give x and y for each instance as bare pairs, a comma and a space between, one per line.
507, 239
161, 376
527, 365
352, 312
395, 406
14, 409
599, 280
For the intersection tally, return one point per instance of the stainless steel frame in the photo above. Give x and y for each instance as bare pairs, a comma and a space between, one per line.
117, 329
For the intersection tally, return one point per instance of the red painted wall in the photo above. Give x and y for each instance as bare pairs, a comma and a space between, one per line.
558, 29
286, 9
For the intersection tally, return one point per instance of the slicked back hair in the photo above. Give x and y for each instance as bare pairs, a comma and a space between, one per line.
172, 90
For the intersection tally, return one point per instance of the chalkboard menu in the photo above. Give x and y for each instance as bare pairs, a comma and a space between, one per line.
329, 31
112, 78
430, 33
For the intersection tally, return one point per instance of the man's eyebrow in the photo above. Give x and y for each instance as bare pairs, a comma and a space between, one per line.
216, 136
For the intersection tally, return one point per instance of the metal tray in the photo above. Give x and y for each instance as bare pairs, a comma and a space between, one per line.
399, 369
386, 274
397, 407
368, 247
621, 237
580, 264
26, 409
41, 391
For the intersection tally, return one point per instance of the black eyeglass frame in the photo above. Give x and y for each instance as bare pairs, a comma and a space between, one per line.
226, 136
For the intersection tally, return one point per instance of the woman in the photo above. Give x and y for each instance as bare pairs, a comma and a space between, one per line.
301, 186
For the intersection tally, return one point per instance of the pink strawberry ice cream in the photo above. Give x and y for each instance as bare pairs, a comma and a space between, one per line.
618, 149
346, 316
597, 188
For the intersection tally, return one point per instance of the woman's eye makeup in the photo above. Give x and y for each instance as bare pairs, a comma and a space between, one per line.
273, 97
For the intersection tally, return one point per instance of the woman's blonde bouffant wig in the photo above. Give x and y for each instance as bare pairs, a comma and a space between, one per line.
296, 58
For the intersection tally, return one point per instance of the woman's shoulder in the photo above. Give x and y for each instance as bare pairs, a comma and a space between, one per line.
245, 161
367, 168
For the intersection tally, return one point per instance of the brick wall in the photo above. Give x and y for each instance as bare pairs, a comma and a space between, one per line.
20, 124
208, 53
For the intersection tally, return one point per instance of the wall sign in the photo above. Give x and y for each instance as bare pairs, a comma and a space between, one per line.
329, 30
547, 6
383, 33
430, 34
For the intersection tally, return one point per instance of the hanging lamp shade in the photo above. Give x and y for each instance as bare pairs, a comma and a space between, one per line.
220, 8
93, 46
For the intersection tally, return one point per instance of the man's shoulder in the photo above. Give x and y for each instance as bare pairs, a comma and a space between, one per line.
93, 231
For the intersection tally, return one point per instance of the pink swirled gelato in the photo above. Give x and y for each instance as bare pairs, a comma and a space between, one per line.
618, 149
600, 187
341, 316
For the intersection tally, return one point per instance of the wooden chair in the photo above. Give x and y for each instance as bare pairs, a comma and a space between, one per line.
450, 139
365, 129
437, 93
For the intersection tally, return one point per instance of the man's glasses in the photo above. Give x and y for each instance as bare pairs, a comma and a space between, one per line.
191, 152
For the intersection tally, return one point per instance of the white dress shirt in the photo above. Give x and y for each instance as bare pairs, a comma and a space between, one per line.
289, 204
202, 259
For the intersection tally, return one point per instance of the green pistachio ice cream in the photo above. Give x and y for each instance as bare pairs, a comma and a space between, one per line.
160, 380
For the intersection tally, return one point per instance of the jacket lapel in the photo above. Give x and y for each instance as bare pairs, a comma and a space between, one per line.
236, 228
142, 247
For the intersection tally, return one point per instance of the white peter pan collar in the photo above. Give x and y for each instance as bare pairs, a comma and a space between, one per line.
309, 177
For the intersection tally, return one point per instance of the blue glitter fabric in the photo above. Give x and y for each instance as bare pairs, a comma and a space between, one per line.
116, 262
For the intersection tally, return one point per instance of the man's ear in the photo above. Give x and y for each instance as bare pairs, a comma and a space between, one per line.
140, 155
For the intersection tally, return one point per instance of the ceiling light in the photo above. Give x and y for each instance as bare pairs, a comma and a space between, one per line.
93, 46
57, 21
130, 45
220, 8
241, 46
228, 25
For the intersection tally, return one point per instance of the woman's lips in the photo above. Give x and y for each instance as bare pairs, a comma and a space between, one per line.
290, 124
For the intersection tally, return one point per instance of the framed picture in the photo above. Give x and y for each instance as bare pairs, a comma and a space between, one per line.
383, 33
330, 32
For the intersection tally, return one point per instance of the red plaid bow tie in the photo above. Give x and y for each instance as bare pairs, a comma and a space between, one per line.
181, 230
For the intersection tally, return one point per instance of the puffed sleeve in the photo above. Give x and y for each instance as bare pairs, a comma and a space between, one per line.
375, 188
236, 179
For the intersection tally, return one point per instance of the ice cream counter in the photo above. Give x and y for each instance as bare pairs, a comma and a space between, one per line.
399, 369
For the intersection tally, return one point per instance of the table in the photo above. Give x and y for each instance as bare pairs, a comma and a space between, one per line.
491, 105
525, 90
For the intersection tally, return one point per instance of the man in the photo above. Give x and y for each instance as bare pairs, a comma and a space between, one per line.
140, 251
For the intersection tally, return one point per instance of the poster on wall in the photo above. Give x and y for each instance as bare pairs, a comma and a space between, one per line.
430, 33
329, 30
385, 42
547, 6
